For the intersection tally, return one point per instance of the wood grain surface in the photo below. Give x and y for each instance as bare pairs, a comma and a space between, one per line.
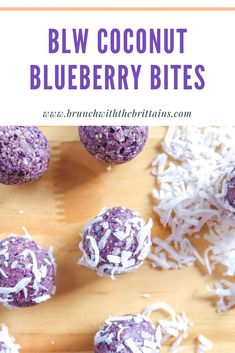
54, 209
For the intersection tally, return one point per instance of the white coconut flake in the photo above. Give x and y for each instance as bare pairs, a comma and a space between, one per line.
41, 299
14, 264
225, 292
3, 273
93, 263
176, 346
26, 233
114, 259
126, 261
119, 318
120, 235
105, 225
160, 306
144, 236
25, 291
129, 343
9, 342
205, 344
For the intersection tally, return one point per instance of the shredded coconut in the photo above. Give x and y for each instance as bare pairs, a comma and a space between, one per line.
191, 176
132, 345
205, 344
41, 299
145, 295
222, 246
225, 292
176, 327
9, 342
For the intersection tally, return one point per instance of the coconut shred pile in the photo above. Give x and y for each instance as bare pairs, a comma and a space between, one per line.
190, 177
7, 343
175, 329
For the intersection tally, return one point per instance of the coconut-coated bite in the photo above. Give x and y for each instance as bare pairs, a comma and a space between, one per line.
24, 154
27, 272
114, 144
225, 191
230, 189
116, 241
126, 334
7, 343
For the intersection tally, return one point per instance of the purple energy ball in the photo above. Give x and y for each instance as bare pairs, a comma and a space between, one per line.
27, 272
126, 334
230, 195
116, 241
24, 154
114, 144
7, 343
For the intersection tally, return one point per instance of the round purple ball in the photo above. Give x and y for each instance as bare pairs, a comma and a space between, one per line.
126, 334
7, 343
114, 144
116, 241
24, 154
27, 272
230, 195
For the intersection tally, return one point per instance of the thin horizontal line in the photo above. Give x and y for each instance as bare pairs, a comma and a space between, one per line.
117, 8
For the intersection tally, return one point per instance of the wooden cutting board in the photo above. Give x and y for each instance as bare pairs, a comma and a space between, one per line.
54, 209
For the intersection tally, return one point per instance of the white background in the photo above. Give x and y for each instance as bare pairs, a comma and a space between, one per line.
24, 41
113, 3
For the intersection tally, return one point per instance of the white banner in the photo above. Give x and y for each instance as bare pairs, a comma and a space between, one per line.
119, 3
192, 83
